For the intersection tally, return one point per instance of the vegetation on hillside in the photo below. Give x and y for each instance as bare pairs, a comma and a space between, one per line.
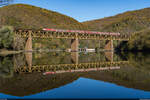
127, 22
22, 16
132, 22
139, 41
6, 37
31, 17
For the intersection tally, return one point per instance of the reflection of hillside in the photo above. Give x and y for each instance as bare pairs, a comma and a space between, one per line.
6, 67
130, 77
51, 58
27, 84
65, 58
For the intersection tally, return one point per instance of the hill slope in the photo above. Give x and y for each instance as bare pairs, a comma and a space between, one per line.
137, 22
26, 16
140, 42
127, 22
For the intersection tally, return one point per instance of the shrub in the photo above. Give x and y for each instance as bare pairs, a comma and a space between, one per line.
6, 37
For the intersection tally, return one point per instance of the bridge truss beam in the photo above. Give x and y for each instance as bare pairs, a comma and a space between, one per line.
75, 37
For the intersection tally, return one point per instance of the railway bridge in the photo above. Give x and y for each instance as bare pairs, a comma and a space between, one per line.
74, 35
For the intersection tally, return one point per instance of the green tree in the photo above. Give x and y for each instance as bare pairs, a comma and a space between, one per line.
6, 37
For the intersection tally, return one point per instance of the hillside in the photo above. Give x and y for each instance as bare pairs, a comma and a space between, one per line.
22, 16
132, 22
127, 22
27, 16
30, 17
140, 41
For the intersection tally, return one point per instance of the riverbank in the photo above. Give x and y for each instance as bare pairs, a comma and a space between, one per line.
4, 52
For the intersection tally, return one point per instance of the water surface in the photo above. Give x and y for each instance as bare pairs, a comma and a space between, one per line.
75, 75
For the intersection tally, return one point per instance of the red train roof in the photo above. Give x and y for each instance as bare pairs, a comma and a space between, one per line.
80, 31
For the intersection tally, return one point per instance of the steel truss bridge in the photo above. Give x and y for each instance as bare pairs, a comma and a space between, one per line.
74, 35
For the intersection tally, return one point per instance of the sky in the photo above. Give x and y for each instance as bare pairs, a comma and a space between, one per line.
84, 10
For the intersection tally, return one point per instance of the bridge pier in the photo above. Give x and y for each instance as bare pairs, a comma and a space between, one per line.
28, 46
109, 50
109, 56
74, 45
109, 45
75, 57
28, 56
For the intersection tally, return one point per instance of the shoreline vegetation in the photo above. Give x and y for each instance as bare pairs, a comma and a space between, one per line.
6, 41
4, 52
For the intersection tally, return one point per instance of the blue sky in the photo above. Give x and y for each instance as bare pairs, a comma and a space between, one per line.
83, 10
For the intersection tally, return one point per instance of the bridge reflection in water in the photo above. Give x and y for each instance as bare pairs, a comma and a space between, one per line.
74, 66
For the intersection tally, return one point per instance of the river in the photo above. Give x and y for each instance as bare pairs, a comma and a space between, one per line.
75, 75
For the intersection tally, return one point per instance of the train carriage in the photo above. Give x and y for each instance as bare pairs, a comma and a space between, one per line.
81, 31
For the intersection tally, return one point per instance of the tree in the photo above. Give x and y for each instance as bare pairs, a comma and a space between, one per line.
6, 37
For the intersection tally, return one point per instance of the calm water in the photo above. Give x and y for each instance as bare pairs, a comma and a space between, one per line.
75, 75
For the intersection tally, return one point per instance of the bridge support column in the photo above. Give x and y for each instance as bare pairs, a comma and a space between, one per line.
74, 45
109, 56
109, 50
28, 46
28, 56
75, 57
109, 45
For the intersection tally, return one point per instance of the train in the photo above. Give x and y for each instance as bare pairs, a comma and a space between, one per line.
81, 31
